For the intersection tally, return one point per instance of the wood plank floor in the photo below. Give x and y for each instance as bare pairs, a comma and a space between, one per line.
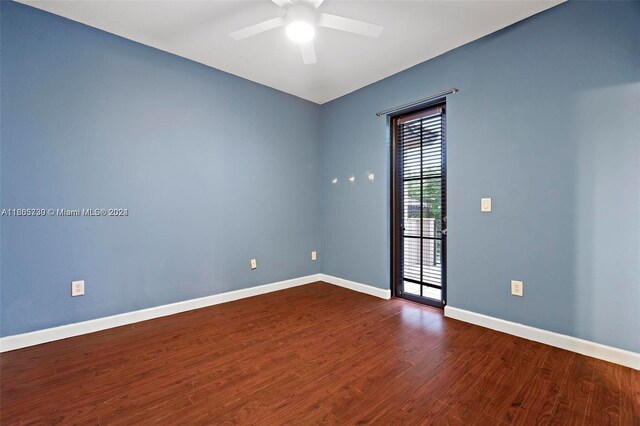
307, 355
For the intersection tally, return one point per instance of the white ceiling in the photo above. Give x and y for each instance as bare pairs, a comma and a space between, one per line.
414, 32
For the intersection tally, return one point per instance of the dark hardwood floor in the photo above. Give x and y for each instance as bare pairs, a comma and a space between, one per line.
306, 355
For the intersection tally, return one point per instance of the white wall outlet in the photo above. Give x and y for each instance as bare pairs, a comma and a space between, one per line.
314, 255
77, 288
254, 264
517, 288
485, 205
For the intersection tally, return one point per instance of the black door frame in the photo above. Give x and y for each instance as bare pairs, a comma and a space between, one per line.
397, 209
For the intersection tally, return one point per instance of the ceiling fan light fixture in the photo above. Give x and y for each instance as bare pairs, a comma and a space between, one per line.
301, 20
300, 31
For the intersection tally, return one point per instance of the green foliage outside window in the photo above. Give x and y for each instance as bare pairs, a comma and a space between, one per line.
431, 199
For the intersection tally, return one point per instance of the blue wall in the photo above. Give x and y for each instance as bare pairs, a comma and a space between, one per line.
547, 123
214, 170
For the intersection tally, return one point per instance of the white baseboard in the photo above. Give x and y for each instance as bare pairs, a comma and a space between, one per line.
584, 347
352, 285
24, 340
18, 341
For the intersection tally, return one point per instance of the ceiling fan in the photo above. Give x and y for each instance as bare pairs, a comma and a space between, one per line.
301, 20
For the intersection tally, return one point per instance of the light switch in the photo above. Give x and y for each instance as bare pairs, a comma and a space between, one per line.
485, 205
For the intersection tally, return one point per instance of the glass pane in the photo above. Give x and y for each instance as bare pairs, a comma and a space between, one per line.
412, 288
431, 198
412, 258
411, 208
432, 293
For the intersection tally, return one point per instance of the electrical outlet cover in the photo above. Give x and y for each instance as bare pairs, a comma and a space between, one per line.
77, 288
517, 288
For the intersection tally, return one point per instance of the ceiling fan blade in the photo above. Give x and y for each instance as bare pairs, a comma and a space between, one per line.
350, 25
308, 52
316, 3
257, 28
282, 3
